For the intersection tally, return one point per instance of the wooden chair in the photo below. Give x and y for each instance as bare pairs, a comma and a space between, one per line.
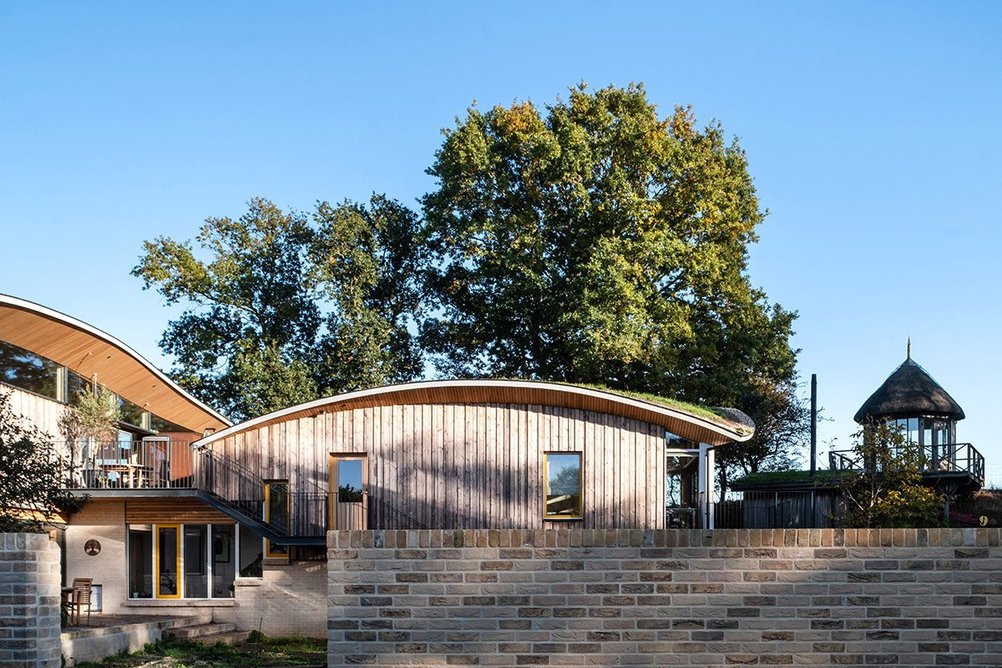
81, 597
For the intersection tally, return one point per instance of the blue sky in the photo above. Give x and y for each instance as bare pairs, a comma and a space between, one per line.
872, 130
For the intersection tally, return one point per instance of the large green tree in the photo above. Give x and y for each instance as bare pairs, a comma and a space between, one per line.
597, 242
283, 307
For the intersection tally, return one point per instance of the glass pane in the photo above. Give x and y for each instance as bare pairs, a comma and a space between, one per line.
251, 553
75, 384
349, 480
277, 514
24, 369
196, 577
130, 412
278, 505
141, 562
223, 560
167, 561
563, 484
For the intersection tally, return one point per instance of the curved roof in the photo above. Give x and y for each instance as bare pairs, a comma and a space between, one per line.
735, 427
909, 392
88, 351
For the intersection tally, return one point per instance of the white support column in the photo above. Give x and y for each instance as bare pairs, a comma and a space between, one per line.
706, 476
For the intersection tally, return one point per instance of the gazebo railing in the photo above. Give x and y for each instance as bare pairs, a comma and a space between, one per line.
937, 460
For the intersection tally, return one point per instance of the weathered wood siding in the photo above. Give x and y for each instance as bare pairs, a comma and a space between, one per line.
468, 465
37, 410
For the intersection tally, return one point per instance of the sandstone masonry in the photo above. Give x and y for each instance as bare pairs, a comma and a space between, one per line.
573, 597
29, 601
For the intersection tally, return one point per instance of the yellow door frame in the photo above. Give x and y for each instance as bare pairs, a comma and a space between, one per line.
177, 561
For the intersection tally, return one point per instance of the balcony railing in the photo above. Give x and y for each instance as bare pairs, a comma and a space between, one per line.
936, 461
148, 464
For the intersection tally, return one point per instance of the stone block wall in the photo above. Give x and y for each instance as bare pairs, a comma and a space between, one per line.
288, 600
657, 598
29, 601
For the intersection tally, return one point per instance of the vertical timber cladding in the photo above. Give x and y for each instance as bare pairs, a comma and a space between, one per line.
469, 465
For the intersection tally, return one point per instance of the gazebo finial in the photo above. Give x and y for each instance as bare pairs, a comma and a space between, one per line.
909, 347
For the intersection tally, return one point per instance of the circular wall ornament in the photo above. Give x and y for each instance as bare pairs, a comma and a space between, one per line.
92, 547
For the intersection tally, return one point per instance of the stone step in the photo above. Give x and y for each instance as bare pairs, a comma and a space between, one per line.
197, 632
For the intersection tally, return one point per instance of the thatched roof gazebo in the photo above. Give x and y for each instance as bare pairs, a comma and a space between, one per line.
909, 392
927, 416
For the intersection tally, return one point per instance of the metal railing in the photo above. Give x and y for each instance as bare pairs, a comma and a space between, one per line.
935, 460
148, 464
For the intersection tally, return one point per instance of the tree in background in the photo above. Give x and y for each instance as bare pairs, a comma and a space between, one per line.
886, 490
367, 262
32, 475
598, 243
258, 334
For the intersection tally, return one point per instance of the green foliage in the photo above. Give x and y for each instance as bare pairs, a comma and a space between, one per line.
887, 489
94, 414
259, 651
597, 243
32, 476
258, 334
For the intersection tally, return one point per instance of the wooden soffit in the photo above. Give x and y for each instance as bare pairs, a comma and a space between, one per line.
89, 351
677, 421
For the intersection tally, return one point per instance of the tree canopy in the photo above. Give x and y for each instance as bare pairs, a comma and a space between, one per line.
286, 307
595, 242
590, 241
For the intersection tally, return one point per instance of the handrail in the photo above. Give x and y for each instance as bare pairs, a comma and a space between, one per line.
936, 459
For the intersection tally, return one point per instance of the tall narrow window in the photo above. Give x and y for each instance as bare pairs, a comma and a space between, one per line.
349, 504
276, 513
168, 554
223, 560
141, 561
196, 573
562, 475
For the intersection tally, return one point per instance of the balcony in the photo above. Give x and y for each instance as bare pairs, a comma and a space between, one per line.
959, 464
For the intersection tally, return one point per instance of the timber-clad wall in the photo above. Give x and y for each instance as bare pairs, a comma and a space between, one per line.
172, 510
37, 410
467, 465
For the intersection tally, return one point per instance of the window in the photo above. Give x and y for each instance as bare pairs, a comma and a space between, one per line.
276, 513
349, 505
185, 560
28, 371
141, 561
562, 477
168, 560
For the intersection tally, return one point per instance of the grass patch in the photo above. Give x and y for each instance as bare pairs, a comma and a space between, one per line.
823, 477
259, 651
704, 412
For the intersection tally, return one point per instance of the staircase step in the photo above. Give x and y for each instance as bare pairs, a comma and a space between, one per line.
229, 638
200, 631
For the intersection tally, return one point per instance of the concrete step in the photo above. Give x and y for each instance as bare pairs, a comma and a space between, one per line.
185, 622
228, 638
199, 631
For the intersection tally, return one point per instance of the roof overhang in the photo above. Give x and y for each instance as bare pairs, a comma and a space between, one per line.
675, 420
89, 351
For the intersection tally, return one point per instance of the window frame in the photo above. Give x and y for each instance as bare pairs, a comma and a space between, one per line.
579, 514
266, 516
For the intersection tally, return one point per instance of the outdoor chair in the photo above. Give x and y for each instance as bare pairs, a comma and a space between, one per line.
80, 597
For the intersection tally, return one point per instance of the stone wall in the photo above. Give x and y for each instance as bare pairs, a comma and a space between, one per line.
657, 598
29, 601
